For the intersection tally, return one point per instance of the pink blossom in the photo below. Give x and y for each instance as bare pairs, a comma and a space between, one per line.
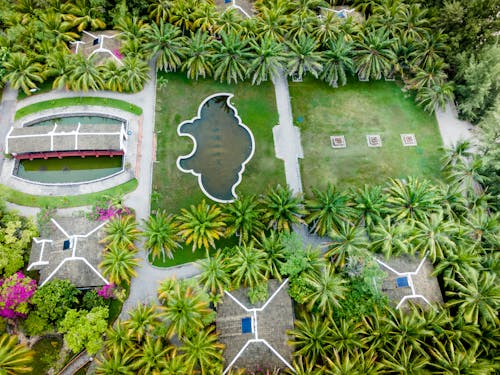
15, 292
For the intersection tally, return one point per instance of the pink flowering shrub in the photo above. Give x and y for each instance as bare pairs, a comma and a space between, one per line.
117, 53
15, 292
107, 291
105, 209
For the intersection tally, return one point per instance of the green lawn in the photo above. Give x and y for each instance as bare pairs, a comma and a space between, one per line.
178, 101
24, 199
356, 110
65, 102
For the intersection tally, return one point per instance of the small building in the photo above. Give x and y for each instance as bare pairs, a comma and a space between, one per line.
104, 45
255, 336
410, 278
58, 140
69, 249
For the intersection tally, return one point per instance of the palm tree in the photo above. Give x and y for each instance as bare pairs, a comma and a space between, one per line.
134, 73
328, 29
186, 311
116, 362
229, 22
390, 239
121, 231
433, 236
370, 204
161, 235
377, 329
14, 358
243, 218
166, 43
476, 295
346, 240
267, 60
118, 264
303, 57
183, 14
59, 65
248, 265
86, 14
327, 209
282, 209
160, 10
415, 22
469, 174
153, 356
374, 55
112, 76
430, 49
435, 96
201, 225
231, 57
411, 198
311, 338
434, 75
451, 199
85, 75
405, 361
300, 24
459, 152
175, 365
463, 259
131, 27
327, 288
214, 273
142, 322
338, 62
353, 363
483, 228
275, 253
271, 23
199, 55
56, 31
206, 18
201, 352
118, 339
347, 335
22, 72
302, 366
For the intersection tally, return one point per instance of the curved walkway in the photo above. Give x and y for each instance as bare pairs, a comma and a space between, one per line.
453, 129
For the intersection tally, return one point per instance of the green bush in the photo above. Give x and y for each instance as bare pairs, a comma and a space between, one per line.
259, 293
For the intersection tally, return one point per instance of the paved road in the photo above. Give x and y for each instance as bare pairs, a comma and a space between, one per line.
287, 142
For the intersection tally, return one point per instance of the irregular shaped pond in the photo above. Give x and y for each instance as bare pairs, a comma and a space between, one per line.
222, 147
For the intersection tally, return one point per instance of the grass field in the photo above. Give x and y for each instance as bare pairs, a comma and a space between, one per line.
356, 110
178, 100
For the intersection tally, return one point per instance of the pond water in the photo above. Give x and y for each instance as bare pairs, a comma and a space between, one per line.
222, 147
68, 170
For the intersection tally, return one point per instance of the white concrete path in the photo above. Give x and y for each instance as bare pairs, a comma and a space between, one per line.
287, 142
453, 129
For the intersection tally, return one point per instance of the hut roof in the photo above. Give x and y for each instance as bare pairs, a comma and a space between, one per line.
104, 45
266, 346
59, 254
68, 137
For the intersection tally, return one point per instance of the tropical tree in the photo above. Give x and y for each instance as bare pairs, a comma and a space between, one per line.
202, 353
131, 27
214, 273
14, 358
85, 75
118, 264
59, 65
476, 295
272, 21
116, 362
134, 73
390, 239
201, 225
248, 266
166, 43
231, 57
348, 239
303, 57
338, 62
468, 174
374, 54
121, 231
459, 152
87, 14
435, 96
282, 209
159, 10
311, 338
267, 60
405, 360
483, 228
206, 18
161, 235
328, 28
143, 320
370, 204
56, 31
229, 22
411, 198
186, 311
300, 24
462, 259
153, 356
327, 209
22, 72
273, 247
199, 55
430, 49
327, 288
243, 218
362, 362
118, 338
112, 76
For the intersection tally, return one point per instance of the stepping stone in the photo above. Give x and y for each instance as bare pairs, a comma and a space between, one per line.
408, 140
338, 141
374, 140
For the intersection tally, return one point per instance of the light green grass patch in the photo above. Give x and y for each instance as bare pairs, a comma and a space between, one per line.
356, 110
75, 101
178, 100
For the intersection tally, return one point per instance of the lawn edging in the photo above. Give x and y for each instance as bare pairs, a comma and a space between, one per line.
23, 199
76, 101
